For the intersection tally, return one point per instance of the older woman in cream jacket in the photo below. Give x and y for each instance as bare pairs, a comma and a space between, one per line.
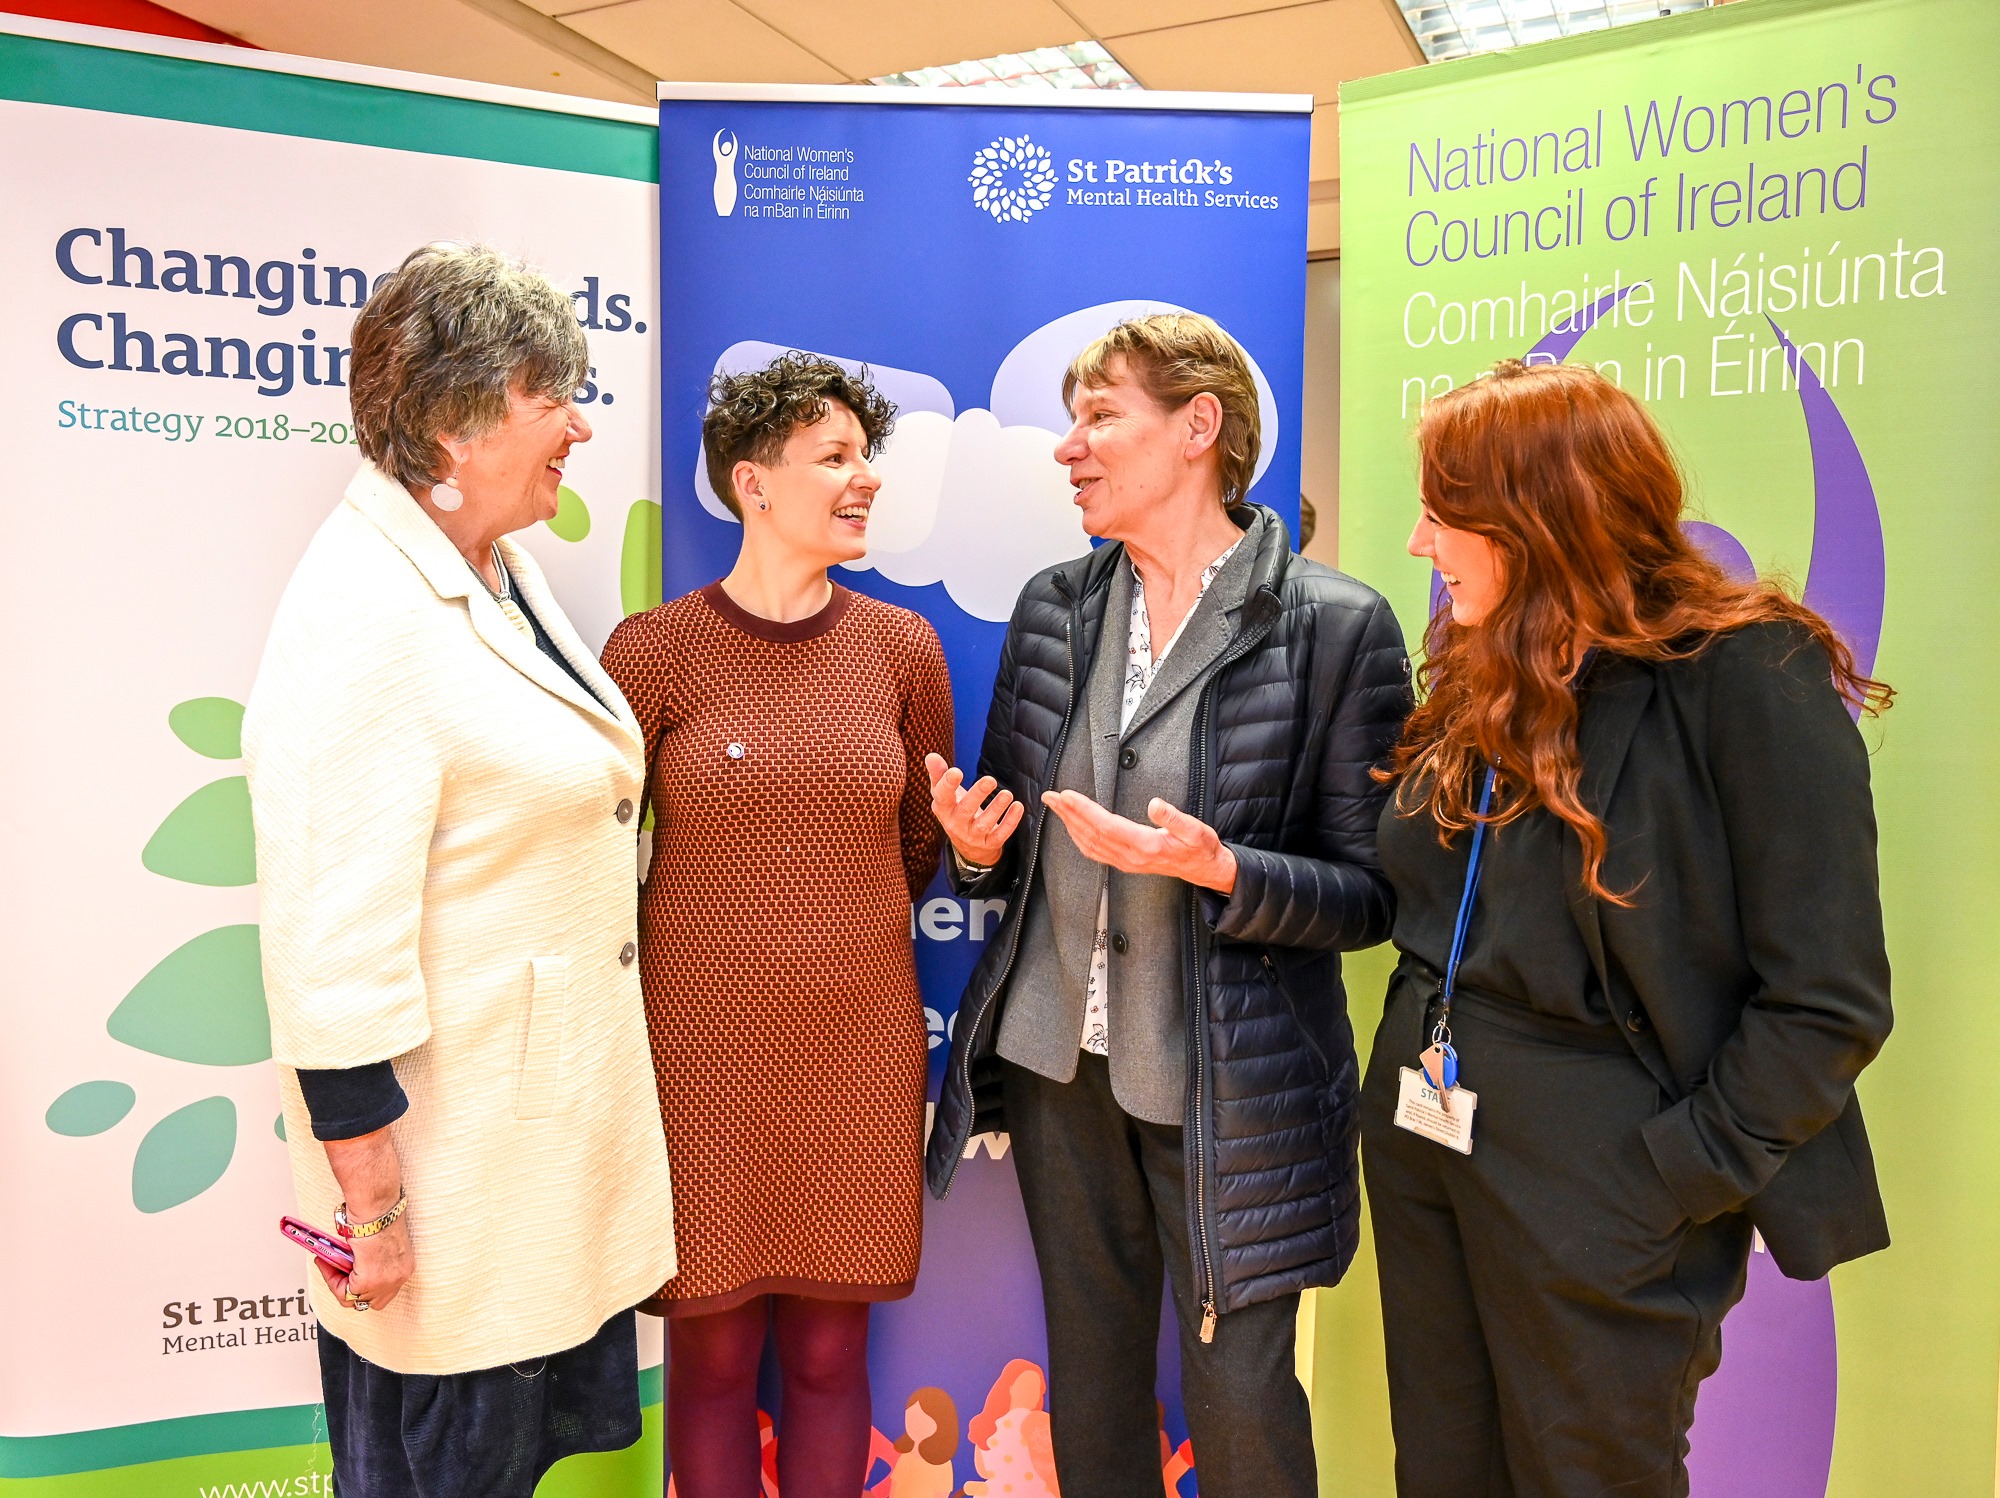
445, 788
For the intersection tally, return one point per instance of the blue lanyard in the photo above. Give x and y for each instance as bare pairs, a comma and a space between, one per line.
1472, 863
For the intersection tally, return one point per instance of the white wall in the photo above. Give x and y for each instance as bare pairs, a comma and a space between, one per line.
1319, 467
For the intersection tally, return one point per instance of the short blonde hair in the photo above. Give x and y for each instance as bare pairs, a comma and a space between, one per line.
1173, 357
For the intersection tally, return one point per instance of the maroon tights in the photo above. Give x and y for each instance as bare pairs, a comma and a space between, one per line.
712, 1366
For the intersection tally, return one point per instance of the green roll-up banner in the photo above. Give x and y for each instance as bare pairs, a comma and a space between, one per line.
1775, 223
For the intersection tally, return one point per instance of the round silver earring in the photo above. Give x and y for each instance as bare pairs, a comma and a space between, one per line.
763, 504
447, 496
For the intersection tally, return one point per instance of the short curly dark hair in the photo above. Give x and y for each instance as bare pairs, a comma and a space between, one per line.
753, 414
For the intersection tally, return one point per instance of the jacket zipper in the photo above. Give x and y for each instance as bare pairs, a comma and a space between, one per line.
1028, 871
1198, 787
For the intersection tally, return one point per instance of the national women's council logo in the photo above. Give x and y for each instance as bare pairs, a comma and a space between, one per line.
1012, 178
724, 147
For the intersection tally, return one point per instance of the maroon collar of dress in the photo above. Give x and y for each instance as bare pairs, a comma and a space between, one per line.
782, 633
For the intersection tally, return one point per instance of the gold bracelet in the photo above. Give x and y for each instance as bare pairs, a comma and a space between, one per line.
352, 1229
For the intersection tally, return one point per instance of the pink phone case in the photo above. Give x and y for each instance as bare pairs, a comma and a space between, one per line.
328, 1249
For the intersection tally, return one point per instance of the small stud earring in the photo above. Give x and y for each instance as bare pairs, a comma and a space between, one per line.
447, 496
763, 504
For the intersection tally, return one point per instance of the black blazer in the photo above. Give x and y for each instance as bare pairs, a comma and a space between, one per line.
1750, 971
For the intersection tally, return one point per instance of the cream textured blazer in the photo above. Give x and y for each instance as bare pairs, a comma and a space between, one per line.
447, 862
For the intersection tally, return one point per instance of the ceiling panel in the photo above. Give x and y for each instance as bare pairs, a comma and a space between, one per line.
1109, 18
424, 36
866, 38
701, 41
1258, 46
1303, 49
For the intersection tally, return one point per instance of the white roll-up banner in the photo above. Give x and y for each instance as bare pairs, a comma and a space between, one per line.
187, 232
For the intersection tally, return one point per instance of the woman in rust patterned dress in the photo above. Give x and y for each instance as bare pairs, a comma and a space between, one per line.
786, 720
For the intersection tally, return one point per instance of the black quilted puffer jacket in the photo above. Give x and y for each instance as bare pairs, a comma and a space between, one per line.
1310, 693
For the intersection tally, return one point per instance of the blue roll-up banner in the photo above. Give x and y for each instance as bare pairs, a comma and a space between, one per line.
964, 246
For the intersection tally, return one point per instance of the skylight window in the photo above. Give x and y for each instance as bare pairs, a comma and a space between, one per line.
1079, 65
1458, 28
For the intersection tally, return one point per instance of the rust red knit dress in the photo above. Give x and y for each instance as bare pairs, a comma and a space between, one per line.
792, 830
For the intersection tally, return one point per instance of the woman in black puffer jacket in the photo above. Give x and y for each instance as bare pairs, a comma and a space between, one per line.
1221, 1113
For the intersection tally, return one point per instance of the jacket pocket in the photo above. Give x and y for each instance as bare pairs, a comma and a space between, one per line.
542, 1052
1275, 971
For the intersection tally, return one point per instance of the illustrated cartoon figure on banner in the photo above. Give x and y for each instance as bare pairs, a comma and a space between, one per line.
920, 1462
1010, 1438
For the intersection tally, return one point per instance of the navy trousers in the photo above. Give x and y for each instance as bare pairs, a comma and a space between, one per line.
488, 1434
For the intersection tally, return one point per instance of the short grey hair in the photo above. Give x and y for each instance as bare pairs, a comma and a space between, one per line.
439, 345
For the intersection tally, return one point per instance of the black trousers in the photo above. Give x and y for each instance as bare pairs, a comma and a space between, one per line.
1548, 1308
1106, 1200
493, 1433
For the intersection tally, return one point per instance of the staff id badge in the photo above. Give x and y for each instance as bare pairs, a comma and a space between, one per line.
1443, 1117
1430, 1103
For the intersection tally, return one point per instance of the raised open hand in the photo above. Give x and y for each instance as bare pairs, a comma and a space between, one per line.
1177, 845
978, 818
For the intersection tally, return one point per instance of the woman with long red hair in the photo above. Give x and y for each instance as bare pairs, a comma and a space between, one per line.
1642, 961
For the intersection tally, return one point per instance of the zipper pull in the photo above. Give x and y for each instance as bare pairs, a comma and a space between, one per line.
1207, 1321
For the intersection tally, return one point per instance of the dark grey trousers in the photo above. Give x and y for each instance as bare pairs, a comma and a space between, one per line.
1106, 1201
1549, 1310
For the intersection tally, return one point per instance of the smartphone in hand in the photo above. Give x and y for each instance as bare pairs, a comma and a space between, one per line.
328, 1249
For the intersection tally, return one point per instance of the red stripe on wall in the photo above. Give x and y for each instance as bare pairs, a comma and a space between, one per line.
124, 15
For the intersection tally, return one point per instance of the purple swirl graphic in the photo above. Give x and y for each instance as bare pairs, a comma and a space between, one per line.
1848, 579
1565, 335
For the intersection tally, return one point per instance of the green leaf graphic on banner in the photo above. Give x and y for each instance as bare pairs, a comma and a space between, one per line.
184, 1154
203, 1003
278, 1127
208, 838
90, 1108
571, 520
639, 564
212, 726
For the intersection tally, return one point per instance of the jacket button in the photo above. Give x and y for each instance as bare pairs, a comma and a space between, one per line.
1128, 758
624, 812
1636, 1021
626, 953
1118, 942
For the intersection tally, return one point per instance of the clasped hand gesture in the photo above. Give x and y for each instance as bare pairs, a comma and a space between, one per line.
979, 819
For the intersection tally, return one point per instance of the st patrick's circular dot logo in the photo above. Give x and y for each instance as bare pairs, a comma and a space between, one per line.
1012, 178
